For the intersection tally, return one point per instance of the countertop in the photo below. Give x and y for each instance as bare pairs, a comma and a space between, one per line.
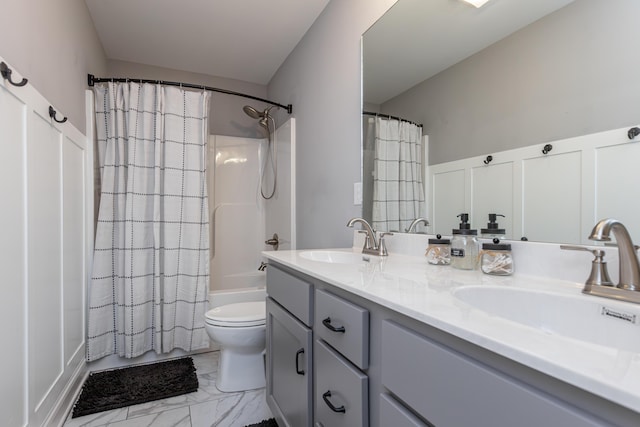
410, 286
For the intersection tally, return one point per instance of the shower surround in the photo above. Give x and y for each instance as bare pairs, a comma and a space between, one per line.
240, 219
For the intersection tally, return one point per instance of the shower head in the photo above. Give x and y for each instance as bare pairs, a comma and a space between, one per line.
252, 112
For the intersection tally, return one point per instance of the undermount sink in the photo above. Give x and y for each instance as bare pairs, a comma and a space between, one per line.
585, 318
335, 257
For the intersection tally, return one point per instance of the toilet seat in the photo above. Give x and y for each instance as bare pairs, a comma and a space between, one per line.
238, 315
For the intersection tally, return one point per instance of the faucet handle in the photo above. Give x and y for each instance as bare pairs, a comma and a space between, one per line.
367, 239
382, 246
599, 275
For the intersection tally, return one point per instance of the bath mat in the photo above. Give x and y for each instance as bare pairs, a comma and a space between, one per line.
118, 388
271, 422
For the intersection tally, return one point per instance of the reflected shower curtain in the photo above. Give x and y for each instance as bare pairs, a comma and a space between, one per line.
150, 277
398, 195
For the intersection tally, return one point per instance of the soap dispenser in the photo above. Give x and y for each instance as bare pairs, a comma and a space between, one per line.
464, 245
493, 229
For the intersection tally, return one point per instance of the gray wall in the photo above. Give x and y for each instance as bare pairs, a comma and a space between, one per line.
572, 73
321, 78
226, 117
54, 45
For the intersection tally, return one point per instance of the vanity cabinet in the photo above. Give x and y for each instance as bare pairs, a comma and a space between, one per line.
373, 366
289, 350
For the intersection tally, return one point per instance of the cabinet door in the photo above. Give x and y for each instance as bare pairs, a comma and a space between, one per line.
289, 362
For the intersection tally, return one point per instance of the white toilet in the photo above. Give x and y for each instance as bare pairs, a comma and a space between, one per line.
239, 329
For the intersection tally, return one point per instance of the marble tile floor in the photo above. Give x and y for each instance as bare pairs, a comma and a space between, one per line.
206, 407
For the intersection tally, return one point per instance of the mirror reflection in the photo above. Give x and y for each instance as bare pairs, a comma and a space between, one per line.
509, 75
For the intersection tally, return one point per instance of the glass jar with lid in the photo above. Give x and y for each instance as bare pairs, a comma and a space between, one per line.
496, 258
439, 251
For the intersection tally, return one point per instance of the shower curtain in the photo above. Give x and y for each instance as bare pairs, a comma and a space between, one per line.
149, 285
398, 195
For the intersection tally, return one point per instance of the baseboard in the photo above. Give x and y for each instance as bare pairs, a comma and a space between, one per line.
64, 404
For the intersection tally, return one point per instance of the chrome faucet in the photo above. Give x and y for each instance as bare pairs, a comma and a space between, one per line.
628, 260
371, 245
415, 222
629, 267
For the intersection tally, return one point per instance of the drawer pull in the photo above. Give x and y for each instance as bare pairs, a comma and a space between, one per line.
298, 370
326, 397
327, 322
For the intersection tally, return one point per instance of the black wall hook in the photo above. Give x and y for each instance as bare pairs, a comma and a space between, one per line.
488, 160
6, 74
547, 148
52, 114
633, 132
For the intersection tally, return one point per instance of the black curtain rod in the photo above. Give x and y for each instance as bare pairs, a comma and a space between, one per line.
92, 80
371, 113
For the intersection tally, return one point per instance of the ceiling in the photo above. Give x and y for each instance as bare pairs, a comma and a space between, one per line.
416, 39
239, 39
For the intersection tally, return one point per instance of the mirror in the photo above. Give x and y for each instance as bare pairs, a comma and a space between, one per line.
508, 75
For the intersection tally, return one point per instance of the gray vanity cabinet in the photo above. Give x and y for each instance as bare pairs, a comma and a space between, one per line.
289, 350
373, 366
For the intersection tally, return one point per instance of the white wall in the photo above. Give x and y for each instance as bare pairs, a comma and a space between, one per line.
54, 45
321, 78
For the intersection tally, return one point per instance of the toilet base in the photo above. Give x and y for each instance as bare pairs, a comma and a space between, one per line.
238, 371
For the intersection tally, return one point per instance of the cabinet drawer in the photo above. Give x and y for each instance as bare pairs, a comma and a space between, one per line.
392, 413
294, 294
341, 390
450, 389
344, 325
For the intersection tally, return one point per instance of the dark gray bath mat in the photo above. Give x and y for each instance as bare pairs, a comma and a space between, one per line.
118, 388
271, 422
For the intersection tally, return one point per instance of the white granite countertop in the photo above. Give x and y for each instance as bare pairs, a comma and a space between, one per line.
410, 286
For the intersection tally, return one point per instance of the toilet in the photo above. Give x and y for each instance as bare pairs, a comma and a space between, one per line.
239, 329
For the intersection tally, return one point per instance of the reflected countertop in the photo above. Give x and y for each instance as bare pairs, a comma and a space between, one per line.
412, 287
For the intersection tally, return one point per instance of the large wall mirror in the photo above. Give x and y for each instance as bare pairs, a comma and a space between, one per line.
509, 75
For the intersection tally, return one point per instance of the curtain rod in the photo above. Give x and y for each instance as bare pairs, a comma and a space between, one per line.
371, 113
92, 80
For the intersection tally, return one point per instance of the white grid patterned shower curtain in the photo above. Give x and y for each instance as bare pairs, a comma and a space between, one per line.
150, 275
398, 195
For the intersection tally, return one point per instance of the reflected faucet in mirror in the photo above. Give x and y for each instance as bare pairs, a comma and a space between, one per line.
415, 222
372, 246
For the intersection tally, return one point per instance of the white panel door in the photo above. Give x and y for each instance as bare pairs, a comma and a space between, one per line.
74, 224
448, 200
13, 141
45, 189
44, 204
552, 194
618, 185
492, 192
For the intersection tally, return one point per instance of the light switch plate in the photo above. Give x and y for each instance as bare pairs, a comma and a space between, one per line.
357, 193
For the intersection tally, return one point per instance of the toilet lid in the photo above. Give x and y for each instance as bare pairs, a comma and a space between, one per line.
238, 314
